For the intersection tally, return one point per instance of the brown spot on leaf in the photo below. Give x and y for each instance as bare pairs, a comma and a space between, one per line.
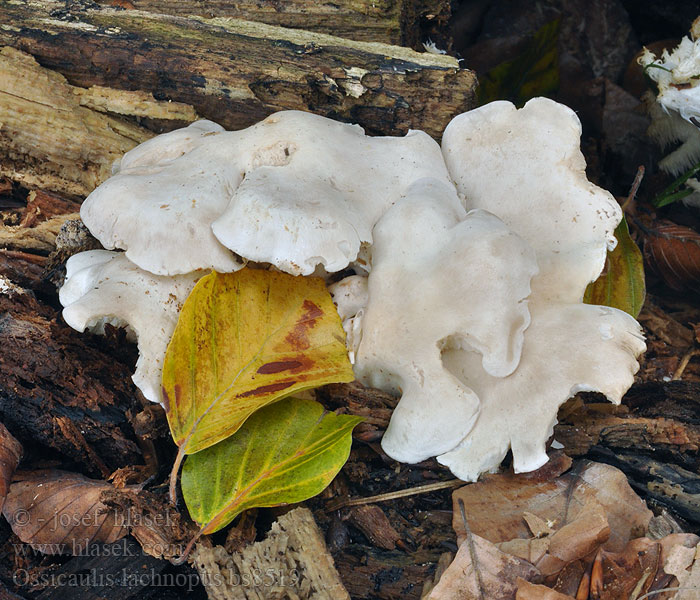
298, 337
178, 393
267, 389
165, 398
279, 366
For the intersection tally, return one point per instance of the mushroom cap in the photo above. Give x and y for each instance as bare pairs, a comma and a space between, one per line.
295, 190
436, 271
525, 167
569, 348
459, 320
103, 286
350, 296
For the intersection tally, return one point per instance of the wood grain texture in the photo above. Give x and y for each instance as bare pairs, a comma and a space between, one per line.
390, 21
52, 396
237, 72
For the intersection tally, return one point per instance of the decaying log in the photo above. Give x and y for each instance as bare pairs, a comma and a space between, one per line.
37, 240
654, 437
59, 137
292, 562
47, 139
237, 72
386, 575
390, 21
156, 524
52, 395
116, 571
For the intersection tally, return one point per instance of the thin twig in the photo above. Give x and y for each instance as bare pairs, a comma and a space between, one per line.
575, 475
634, 187
684, 363
421, 489
472, 551
668, 589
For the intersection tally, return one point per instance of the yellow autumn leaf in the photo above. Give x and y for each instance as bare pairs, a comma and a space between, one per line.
621, 284
245, 340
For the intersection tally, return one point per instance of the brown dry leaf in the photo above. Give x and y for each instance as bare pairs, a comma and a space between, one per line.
494, 576
569, 579
10, 455
531, 591
634, 569
674, 251
495, 505
531, 550
577, 539
679, 559
671, 542
688, 580
57, 512
538, 526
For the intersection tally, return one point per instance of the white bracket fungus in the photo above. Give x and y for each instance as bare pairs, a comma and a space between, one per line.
675, 111
105, 287
470, 262
295, 190
435, 273
676, 75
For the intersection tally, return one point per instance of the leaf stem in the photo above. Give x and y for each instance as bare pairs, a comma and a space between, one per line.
186, 552
173, 474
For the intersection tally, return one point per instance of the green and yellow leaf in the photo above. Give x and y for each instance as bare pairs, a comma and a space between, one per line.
284, 453
245, 340
621, 284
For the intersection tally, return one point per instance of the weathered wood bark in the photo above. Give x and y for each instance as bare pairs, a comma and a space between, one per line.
116, 571
237, 72
55, 136
654, 438
390, 21
51, 395
291, 562
385, 575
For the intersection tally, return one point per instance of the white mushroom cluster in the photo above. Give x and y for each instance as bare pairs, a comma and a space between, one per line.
675, 110
467, 263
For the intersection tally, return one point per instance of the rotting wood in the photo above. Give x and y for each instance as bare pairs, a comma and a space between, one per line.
237, 72
38, 240
292, 562
156, 524
373, 523
390, 21
372, 575
654, 438
51, 396
47, 139
116, 571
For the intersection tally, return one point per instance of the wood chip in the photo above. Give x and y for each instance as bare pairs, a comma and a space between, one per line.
371, 520
292, 562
